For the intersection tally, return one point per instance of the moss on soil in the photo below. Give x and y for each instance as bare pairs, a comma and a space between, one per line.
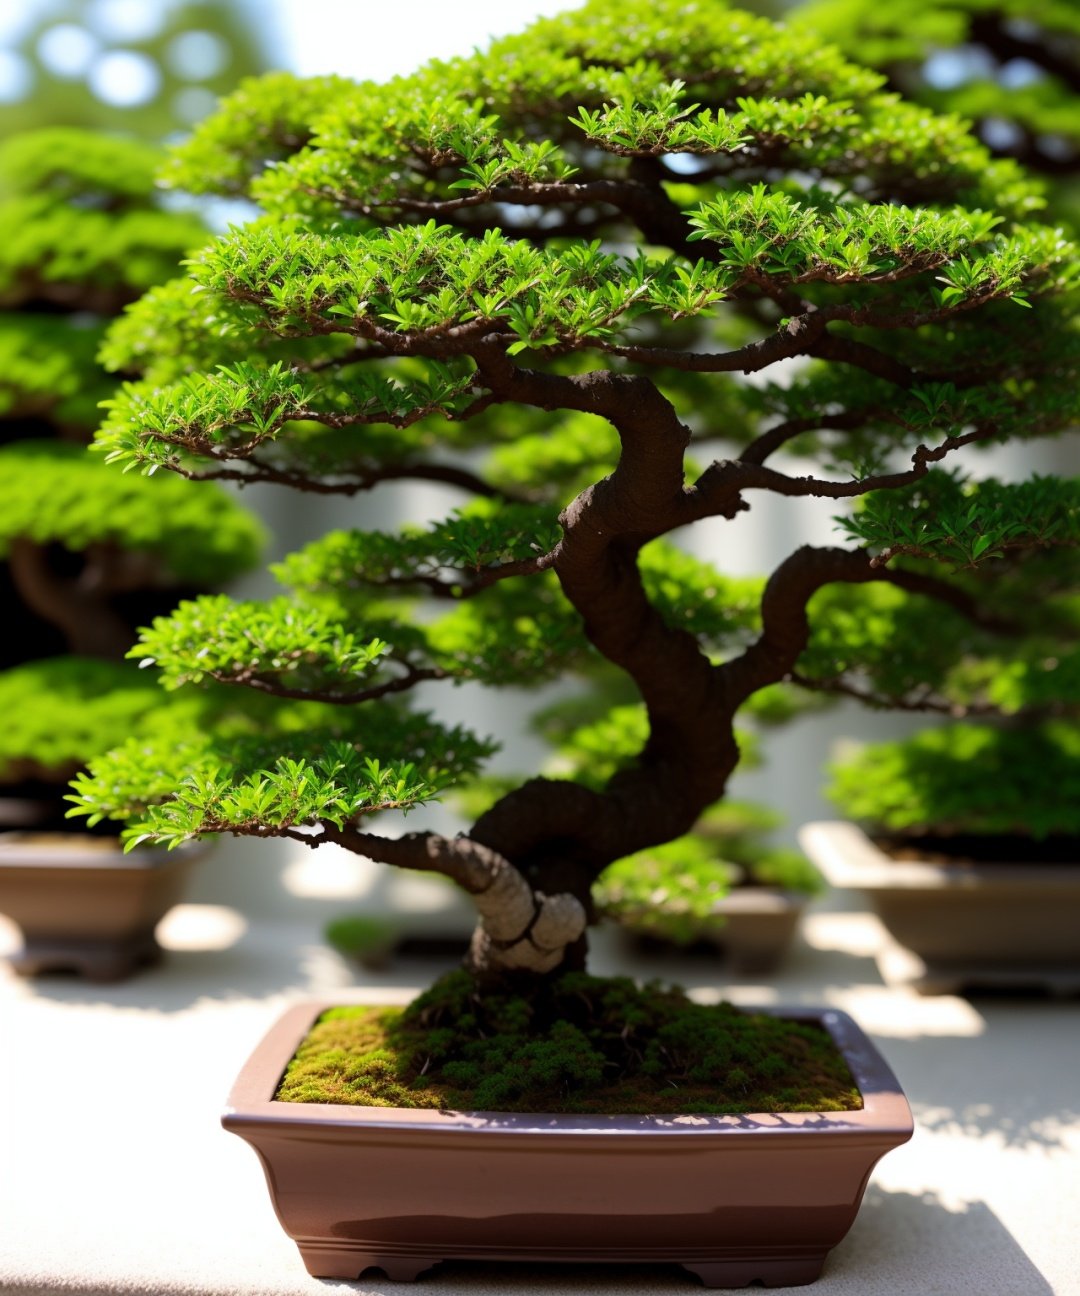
589, 1045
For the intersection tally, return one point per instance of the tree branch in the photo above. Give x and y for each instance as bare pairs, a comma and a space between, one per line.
260, 472
81, 613
251, 679
762, 447
717, 492
520, 928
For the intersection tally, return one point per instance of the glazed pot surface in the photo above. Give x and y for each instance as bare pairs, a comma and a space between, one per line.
733, 1198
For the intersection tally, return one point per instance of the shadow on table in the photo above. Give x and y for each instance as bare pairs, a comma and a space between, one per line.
902, 1244
1016, 1081
908, 1244
263, 961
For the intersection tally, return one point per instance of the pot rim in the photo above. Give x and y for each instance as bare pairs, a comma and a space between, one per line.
19, 851
885, 1111
849, 857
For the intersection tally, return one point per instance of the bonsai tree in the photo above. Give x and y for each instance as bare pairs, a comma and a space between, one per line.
541, 275
1013, 69
86, 554
1015, 72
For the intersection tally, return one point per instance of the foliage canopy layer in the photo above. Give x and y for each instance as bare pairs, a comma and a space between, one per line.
86, 554
539, 275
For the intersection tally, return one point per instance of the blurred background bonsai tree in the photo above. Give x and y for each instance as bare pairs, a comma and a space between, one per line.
543, 302
86, 558
1010, 67
1013, 70
86, 554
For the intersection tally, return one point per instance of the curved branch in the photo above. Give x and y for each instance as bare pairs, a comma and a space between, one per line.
717, 492
251, 679
929, 703
520, 928
786, 627
944, 591
262, 473
645, 203
795, 337
778, 436
74, 607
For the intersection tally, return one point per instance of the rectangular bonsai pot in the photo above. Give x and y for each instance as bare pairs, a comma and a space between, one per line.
735, 1199
966, 922
82, 905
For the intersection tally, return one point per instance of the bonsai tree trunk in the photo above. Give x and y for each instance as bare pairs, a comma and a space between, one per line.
75, 605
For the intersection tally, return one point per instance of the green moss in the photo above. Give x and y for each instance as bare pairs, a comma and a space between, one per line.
587, 1044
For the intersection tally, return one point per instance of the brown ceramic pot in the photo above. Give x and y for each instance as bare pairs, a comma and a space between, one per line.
967, 923
734, 1199
84, 906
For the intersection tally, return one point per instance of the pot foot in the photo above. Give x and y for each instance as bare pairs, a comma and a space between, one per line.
342, 1262
768, 1272
102, 962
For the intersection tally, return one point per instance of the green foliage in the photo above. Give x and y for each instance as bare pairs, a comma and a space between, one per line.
62, 712
79, 209
967, 778
82, 231
588, 1045
55, 493
1014, 74
964, 523
455, 278
480, 535
899, 649
234, 780
207, 637
674, 891
47, 370
238, 408
268, 118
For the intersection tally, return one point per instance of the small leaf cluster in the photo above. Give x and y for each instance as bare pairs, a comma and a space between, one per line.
661, 125
963, 523
486, 161
232, 412
269, 118
674, 891
178, 328
216, 637
239, 781
426, 279
478, 535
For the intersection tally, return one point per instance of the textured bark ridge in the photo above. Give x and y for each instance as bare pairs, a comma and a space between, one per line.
521, 929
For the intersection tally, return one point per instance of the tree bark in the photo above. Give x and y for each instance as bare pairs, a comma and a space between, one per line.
91, 628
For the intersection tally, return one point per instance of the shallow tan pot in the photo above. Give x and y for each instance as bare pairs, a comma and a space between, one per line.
84, 906
754, 933
732, 1198
966, 923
